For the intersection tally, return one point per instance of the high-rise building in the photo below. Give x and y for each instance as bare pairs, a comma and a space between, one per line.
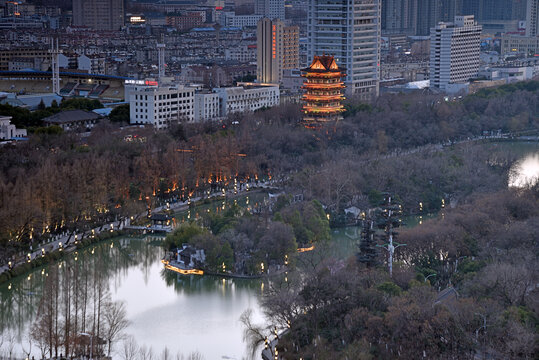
399, 16
427, 14
291, 47
448, 9
454, 52
277, 49
532, 18
272, 9
350, 31
269, 57
494, 9
99, 14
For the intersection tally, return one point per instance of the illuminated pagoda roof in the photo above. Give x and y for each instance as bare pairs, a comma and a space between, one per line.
323, 64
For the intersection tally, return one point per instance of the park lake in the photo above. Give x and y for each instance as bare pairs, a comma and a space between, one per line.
184, 313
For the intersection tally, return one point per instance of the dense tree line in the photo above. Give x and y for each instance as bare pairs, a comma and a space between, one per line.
60, 182
24, 118
238, 242
486, 249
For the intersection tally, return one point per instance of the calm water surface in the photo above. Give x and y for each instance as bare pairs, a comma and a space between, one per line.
182, 313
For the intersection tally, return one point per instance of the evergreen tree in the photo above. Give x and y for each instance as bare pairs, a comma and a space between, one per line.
368, 252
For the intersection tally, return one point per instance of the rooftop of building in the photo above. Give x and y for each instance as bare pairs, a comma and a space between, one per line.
322, 64
71, 116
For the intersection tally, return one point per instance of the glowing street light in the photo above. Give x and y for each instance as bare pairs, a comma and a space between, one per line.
29, 257
42, 252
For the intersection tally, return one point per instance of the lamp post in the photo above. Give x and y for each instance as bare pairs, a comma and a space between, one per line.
426, 277
391, 250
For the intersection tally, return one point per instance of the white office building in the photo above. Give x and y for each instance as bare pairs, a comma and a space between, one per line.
161, 106
454, 53
248, 97
350, 31
272, 9
207, 106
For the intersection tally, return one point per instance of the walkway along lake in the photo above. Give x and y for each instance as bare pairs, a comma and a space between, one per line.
184, 313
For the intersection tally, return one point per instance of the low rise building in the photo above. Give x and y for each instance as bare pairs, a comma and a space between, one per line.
8, 131
242, 53
241, 21
528, 45
186, 21
247, 97
73, 120
508, 73
94, 64
161, 106
207, 106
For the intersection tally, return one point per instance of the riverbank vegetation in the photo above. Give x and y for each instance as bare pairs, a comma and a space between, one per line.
483, 253
56, 183
240, 243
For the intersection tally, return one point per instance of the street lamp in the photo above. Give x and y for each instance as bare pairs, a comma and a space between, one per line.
426, 277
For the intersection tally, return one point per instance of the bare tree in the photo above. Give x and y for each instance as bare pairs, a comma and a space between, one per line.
145, 353
253, 334
130, 348
26, 345
165, 355
115, 322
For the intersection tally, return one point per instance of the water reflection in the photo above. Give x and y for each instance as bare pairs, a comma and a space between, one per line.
525, 173
183, 313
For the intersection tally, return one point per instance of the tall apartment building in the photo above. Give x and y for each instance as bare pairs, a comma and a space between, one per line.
291, 47
399, 16
99, 14
532, 18
272, 9
277, 49
350, 31
269, 51
454, 52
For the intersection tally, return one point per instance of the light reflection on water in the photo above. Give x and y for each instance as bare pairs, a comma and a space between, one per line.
525, 172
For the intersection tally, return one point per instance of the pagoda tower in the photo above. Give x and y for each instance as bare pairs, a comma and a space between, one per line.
323, 91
